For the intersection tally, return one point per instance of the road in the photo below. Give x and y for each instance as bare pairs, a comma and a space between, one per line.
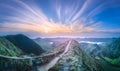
9, 57
43, 67
54, 61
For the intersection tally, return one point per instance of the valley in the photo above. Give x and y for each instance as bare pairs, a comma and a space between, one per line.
69, 55
59, 35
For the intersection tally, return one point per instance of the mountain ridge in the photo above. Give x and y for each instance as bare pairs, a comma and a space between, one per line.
75, 59
25, 44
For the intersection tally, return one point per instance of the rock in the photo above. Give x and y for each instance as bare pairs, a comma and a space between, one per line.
76, 60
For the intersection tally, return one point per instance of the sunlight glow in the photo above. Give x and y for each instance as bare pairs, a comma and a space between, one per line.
73, 18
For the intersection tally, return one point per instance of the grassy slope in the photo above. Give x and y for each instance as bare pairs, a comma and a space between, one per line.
26, 44
7, 48
111, 53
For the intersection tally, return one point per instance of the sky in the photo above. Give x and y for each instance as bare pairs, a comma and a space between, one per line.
60, 18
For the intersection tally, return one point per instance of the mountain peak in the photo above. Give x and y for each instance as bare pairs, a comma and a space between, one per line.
74, 58
25, 43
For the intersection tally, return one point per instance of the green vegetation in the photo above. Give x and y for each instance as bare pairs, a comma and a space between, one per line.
111, 53
16, 46
76, 60
112, 50
8, 49
113, 61
24, 43
15, 65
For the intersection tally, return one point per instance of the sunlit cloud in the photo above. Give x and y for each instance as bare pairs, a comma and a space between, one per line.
73, 17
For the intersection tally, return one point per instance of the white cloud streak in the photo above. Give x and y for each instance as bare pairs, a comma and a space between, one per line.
32, 18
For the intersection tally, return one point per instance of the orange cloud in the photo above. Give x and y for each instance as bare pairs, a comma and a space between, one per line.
51, 28
33, 19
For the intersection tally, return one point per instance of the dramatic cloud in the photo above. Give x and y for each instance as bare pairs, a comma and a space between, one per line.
73, 17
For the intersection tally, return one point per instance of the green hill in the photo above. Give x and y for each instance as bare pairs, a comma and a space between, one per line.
8, 49
111, 53
112, 49
25, 44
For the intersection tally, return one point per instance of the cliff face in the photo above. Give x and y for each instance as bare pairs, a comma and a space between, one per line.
75, 59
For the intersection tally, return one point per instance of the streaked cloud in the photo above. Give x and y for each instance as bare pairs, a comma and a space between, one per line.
74, 17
